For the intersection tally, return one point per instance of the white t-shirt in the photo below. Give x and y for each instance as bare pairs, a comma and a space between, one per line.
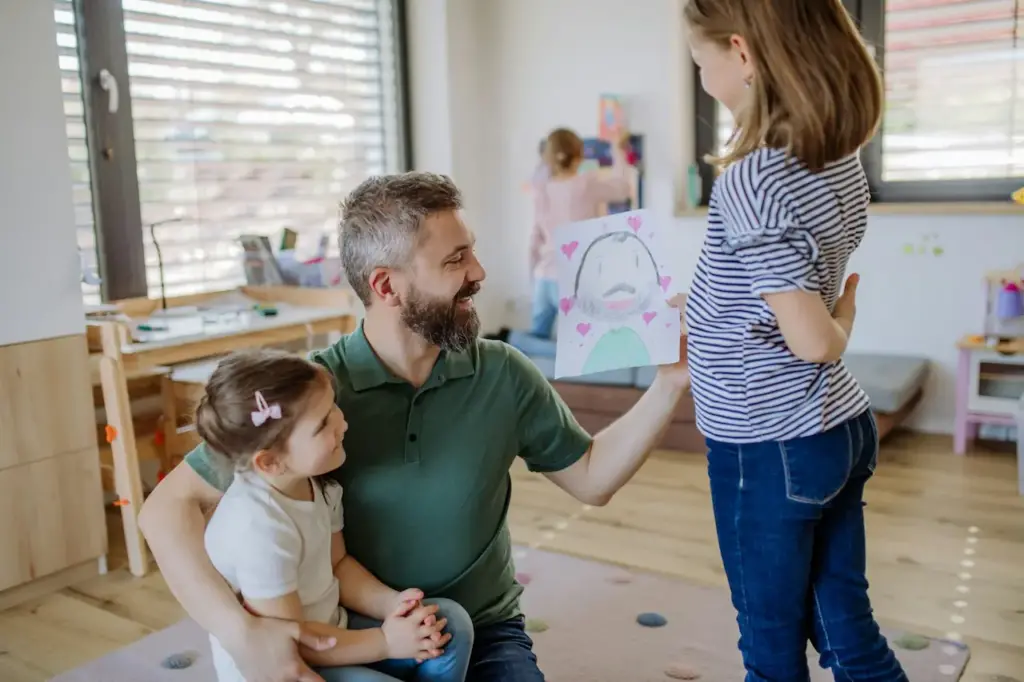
267, 545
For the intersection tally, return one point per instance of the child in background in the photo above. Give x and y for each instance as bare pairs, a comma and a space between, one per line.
791, 439
567, 196
276, 535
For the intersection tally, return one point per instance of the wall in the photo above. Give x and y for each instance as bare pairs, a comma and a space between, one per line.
545, 63
40, 295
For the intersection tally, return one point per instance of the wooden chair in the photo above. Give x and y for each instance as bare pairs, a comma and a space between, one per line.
183, 387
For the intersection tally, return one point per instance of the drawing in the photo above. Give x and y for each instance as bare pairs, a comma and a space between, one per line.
612, 297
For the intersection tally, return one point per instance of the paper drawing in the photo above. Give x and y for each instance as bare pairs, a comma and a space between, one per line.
612, 293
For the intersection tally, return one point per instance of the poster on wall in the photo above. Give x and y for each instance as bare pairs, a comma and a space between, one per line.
611, 118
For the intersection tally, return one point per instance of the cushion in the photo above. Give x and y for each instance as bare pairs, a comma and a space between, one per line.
889, 380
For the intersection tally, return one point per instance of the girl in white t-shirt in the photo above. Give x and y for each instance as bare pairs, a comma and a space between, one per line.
276, 536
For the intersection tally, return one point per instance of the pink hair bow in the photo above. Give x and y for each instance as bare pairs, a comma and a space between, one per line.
264, 411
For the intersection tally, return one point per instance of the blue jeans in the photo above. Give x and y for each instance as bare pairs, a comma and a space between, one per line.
503, 652
544, 310
450, 666
790, 522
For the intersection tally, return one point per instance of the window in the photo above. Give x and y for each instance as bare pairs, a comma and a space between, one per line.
243, 117
78, 150
953, 124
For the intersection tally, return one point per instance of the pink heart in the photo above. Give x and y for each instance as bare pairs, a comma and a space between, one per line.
570, 248
583, 328
649, 316
566, 305
667, 325
665, 281
634, 221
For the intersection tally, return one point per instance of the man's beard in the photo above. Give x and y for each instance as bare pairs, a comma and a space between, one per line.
441, 322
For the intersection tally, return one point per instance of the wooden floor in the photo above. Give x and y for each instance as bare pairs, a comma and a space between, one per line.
928, 513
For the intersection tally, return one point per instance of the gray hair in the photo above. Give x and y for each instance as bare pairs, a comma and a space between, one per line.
381, 220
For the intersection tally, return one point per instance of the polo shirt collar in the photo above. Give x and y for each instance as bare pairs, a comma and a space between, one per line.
366, 371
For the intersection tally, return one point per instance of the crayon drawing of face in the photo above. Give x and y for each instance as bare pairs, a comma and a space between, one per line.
617, 279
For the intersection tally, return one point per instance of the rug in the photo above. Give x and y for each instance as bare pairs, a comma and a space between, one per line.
583, 616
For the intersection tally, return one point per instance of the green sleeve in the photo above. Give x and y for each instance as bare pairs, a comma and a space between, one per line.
211, 467
550, 438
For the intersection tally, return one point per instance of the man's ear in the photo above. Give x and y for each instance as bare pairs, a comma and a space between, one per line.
382, 283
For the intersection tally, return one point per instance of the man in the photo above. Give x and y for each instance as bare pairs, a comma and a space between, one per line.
436, 417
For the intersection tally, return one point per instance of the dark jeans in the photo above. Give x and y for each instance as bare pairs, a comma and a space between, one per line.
503, 652
790, 523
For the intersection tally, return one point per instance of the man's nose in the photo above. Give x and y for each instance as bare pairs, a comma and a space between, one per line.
476, 271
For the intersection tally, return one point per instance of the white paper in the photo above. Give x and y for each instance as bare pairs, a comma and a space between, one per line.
613, 287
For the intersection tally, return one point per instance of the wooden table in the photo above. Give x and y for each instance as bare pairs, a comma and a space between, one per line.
194, 327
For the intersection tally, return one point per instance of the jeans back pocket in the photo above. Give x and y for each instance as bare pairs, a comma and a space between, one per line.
817, 467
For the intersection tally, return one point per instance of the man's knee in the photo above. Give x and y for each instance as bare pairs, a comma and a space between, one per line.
460, 624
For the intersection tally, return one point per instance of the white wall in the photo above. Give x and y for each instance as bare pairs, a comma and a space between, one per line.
531, 65
40, 293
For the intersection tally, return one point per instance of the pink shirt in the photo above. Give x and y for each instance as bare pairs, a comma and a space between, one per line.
568, 200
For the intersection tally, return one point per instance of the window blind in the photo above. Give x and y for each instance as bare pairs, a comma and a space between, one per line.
250, 117
78, 151
954, 77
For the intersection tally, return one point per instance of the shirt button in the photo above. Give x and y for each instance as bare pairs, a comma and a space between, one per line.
412, 437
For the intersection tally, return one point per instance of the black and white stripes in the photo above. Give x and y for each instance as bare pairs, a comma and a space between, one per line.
773, 226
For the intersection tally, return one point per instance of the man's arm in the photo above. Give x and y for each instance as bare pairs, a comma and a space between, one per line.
354, 647
591, 469
172, 520
619, 450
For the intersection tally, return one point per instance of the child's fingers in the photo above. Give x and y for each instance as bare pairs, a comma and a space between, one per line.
421, 613
404, 608
429, 630
411, 594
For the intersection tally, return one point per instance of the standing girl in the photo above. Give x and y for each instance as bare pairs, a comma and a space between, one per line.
566, 196
791, 440
276, 534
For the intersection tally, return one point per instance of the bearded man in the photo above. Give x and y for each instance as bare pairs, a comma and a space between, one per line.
436, 418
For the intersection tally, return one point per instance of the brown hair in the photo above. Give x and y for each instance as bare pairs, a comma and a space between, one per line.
224, 415
817, 93
381, 219
562, 150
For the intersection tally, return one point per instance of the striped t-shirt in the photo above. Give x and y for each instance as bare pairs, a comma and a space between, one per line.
773, 226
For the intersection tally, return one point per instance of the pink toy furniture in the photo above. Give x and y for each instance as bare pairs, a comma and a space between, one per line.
990, 383
990, 376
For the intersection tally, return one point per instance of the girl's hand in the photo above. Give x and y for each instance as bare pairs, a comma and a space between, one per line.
408, 636
412, 596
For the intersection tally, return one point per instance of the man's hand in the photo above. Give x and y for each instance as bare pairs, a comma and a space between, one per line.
266, 650
845, 311
678, 373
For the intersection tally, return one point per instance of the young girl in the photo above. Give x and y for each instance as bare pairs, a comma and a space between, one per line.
276, 534
791, 441
567, 196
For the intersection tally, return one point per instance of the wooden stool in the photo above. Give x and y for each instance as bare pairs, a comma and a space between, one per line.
183, 387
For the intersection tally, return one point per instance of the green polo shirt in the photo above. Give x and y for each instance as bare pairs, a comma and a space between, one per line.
426, 479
